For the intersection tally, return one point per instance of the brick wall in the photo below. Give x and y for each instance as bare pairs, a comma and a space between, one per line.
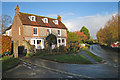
42, 31
15, 30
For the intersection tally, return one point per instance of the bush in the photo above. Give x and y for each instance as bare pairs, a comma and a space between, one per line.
6, 44
61, 48
29, 55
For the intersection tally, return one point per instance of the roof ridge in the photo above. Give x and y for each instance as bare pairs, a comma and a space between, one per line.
38, 15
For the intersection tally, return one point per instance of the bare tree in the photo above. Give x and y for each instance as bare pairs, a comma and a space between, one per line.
5, 21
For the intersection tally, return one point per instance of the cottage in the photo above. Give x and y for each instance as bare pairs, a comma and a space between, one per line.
35, 29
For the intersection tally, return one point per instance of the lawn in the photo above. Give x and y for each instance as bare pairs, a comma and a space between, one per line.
96, 58
8, 62
68, 58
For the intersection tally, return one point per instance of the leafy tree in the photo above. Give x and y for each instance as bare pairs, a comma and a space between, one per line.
51, 40
85, 31
109, 33
72, 37
5, 21
81, 36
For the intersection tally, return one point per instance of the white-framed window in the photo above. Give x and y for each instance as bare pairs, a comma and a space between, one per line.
32, 41
45, 20
35, 31
59, 32
32, 18
59, 41
55, 22
19, 31
48, 31
63, 40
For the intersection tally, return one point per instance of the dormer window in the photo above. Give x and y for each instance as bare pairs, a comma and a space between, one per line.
32, 18
45, 20
55, 21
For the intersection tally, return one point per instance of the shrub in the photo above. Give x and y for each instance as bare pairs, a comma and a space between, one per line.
61, 48
6, 44
29, 55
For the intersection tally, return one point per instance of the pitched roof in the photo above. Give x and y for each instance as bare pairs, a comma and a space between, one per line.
26, 21
9, 27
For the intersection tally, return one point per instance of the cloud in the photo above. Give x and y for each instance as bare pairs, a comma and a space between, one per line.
93, 23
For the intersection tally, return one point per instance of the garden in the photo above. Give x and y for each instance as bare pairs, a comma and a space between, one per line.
8, 61
69, 53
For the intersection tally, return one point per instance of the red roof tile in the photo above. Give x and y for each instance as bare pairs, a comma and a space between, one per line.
26, 21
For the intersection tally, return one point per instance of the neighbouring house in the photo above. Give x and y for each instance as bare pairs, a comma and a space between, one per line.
35, 29
8, 31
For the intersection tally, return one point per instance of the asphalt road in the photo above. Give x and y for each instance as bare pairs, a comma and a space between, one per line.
110, 56
39, 68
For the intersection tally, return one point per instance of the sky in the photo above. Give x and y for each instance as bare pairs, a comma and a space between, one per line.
92, 15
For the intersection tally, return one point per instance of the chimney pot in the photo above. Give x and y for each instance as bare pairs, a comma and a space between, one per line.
59, 17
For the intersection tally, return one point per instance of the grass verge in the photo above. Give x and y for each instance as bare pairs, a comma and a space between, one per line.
9, 62
96, 58
67, 58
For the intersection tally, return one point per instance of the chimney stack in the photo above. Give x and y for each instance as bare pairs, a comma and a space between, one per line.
16, 10
59, 18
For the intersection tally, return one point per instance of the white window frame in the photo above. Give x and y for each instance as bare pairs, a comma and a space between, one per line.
33, 31
59, 44
32, 42
30, 17
42, 43
60, 32
19, 31
45, 19
55, 22
49, 30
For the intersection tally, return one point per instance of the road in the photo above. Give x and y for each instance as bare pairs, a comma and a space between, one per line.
108, 55
39, 68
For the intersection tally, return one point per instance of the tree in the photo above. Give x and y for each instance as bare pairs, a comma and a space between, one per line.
85, 31
109, 33
81, 36
5, 21
72, 37
51, 40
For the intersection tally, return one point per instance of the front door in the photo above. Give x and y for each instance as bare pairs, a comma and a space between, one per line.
39, 44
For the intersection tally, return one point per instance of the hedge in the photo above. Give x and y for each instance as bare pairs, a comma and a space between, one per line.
6, 44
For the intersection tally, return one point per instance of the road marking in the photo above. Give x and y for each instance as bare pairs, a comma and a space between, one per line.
56, 70
70, 76
13, 68
29, 67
